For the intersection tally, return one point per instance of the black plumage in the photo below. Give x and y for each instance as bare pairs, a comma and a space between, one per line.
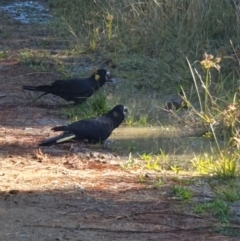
77, 90
94, 130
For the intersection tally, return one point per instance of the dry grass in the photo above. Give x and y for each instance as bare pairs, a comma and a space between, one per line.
74, 191
149, 40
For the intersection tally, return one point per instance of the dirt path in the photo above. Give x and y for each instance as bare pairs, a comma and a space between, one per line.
74, 192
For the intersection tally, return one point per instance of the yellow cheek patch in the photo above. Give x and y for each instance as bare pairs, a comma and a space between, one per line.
97, 77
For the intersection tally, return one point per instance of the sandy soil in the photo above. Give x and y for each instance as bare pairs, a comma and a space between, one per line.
73, 191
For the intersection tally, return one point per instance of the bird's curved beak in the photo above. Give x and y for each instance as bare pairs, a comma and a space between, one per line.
125, 111
108, 77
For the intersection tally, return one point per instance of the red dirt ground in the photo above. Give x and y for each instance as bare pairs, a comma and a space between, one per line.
75, 192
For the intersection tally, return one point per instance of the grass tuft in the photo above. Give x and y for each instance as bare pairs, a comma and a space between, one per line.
94, 106
218, 207
183, 193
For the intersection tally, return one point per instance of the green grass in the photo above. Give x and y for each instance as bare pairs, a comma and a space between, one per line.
158, 49
217, 207
141, 121
152, 37
94, 106
183, 193
3, 54
36, 59
224, 166
154, 162
149, 41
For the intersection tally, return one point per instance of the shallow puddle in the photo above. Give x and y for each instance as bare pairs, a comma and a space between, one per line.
151, 140
27, 12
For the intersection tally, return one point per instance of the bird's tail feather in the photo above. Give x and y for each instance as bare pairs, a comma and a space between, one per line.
43, 88
57, 139
59, 128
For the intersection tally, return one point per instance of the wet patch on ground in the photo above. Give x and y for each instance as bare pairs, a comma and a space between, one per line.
27, 12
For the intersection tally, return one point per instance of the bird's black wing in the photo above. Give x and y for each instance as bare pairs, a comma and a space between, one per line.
94, 130
72, 87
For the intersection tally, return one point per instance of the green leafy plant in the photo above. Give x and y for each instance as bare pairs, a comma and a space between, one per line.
94, 39
221, 165
141, 121
3, 54
183, 193
218, 207
109, 25
94, 106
